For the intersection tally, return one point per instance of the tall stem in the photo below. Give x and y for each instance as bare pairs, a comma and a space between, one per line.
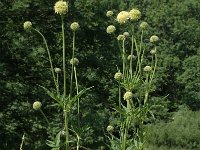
124, 59
77, 90
49, 55
72, 72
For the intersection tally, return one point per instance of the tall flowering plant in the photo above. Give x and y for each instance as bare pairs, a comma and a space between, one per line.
134, 80
64, 100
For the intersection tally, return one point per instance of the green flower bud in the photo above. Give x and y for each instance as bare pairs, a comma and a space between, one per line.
118, 76
135, 14
75, 62
27, 25
121, 37
147, 68
37, 105
109, 13
126, 34
131, 56
74, 26
144, 25
57, 70
153, 51
110, 128
154, 38
110, 29
128, 96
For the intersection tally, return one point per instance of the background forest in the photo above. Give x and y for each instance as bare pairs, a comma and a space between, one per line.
24, 65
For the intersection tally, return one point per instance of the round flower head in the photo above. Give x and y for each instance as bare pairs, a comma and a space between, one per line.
109, 13
122, 17
61, 7
121, 37
131, 56
110, 29
75, 62
144, 25
154, 38
27, 25
110, 128
153, 51
126, 34
147, 68
57, 70
74, 26
118, 76
135, 14
128, 96
37, 105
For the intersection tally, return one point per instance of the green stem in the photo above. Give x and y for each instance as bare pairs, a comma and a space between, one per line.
45, 117
57, 78
49, 55
77, 91
72, 72
66, 129
124, 59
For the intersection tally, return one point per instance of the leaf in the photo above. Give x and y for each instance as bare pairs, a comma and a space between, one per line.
120, 110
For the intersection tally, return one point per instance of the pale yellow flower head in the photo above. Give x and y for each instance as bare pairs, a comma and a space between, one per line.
153, 51
110, 29
122, 17
75, 62
57, 70
61, 7
126, 34
118, 76
27, 25
147, 68
135, 14
37, 105
144, 25
74, 26
121, 37
109, 13
131, 57
128, 96
154, 38
110, 128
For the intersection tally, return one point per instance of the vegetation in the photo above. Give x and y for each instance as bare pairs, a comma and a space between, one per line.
24, 65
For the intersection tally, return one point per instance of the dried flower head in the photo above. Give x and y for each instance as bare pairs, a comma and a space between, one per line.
153, 51
126, 34
57, 70
154, 38
109, 13
147, 68
37, 105
27, 25
131, 57
110, 29
144, 25
61, 7
118, 76
121, 37
110, 128
122, 17
135, 14
74, 26
75, 62
128, 96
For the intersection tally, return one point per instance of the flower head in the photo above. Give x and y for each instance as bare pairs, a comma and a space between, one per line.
61, 7
121, 37
144, 25
154, 38
135, 14
57, 70
147, 68
126, 34
109, 13
37, 105
153, 51
128, 96
131, 57
110, 128
122, 17
27, 25
75, 62
110, 29
74, 26
118, 76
